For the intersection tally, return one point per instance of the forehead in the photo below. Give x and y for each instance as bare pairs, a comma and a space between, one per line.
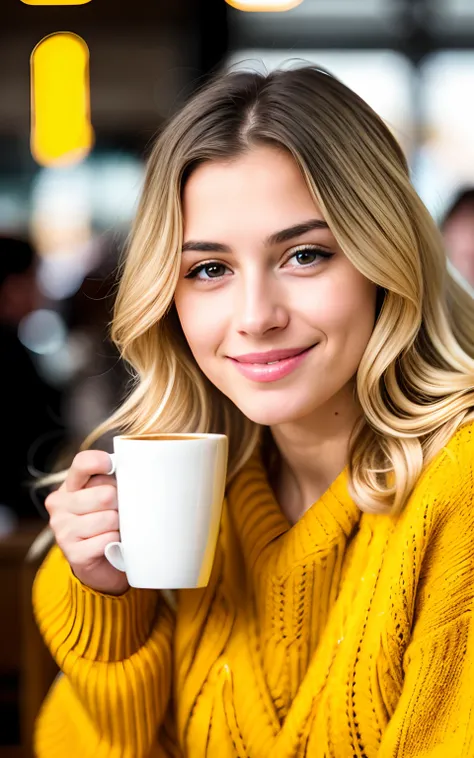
262, 189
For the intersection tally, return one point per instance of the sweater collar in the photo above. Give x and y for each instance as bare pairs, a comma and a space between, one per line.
263, 528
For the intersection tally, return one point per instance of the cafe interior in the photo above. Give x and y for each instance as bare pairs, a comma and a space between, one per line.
85, 85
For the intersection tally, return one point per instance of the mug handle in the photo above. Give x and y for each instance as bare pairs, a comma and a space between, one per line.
113, 551
113, 464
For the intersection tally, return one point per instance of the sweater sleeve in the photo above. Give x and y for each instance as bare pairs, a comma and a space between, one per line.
114, 651
435, 713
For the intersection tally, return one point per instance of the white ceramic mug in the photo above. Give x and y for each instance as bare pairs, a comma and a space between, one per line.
170, 490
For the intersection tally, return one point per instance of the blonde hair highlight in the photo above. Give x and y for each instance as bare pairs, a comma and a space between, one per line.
415, 382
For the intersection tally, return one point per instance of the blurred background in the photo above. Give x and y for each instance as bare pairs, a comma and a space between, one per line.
64, 218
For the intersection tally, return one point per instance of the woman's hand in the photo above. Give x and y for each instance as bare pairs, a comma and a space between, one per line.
84, 518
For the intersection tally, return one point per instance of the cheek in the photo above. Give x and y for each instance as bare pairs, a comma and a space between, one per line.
343, 306
348, 326
201, 325
357, 320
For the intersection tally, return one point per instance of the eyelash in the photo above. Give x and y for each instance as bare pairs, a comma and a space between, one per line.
324, 254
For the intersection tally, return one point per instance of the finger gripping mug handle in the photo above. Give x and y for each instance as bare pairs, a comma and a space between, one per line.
114, 551
114, 554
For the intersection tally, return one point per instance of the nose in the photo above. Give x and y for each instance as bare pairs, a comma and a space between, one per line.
260, 306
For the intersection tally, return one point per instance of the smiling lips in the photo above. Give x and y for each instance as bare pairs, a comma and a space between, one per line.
272, 365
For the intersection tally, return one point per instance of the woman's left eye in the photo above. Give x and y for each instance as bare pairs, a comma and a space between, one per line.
308, 256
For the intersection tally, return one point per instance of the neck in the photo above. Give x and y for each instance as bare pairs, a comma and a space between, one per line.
312, 453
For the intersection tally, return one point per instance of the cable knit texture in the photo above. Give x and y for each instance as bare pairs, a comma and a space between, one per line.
346, 635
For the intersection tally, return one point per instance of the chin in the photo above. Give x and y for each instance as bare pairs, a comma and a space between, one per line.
272, 414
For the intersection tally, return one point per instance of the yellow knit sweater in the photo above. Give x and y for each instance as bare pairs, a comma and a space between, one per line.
345, 635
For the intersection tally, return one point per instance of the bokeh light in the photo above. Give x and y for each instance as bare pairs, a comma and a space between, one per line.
42, 331
55, 2
61, 132
264, 5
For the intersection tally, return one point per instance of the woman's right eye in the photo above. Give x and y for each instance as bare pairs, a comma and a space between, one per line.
207, 271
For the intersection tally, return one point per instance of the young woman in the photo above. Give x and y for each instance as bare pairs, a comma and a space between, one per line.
284, 285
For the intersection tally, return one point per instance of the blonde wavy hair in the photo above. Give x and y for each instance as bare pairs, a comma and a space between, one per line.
415, 382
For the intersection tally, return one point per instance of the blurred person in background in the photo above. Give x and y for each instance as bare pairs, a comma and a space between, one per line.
286, 286
100, 380
457, 227
30, 415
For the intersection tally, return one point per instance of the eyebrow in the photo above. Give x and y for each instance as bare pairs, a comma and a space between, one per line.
284, 235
